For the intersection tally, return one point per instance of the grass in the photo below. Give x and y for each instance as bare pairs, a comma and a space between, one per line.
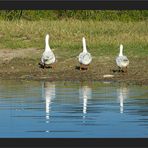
100, 15
103, 37
22, 44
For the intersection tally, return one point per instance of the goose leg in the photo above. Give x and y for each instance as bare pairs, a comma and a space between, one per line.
125, 69
53, 66
43, 65
119, 69
86, 67
80, 66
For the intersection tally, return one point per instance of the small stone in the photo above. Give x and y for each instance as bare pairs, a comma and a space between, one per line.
108, 76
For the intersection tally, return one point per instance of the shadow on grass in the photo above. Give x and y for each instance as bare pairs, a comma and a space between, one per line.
77, 67
118, 71
81, 69
44, 66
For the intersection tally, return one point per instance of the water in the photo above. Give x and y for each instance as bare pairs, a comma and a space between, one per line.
72, 110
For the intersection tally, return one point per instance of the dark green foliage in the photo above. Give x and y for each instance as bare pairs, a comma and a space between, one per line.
11, 14
129, 15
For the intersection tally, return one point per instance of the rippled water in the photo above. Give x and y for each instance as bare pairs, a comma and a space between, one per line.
66, 109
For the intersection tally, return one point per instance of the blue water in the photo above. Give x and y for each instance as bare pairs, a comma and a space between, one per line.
72, 110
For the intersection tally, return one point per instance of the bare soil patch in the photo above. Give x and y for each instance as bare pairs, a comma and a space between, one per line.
9, 54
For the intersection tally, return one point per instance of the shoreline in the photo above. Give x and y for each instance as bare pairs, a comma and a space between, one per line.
19, 65
53, 79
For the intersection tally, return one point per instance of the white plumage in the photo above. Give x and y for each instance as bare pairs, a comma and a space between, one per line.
85, 57
122, 61
48, 56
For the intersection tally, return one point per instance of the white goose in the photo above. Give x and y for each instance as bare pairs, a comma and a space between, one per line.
48, 57
85, 57
122, 61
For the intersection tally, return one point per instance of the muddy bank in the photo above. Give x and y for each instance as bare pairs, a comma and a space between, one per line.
15, 65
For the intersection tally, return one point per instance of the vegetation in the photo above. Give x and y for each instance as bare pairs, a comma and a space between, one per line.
103, 37
100, 15
104, 31
22, 35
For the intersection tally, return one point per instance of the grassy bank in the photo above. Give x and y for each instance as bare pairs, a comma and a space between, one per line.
22, 43
103, 38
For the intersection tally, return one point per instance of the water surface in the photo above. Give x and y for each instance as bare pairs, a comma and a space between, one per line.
72, 110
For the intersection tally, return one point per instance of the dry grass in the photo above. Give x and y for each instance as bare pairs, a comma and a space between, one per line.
103, 38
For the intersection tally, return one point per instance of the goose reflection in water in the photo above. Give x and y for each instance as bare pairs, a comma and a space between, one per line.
85, 93
48, 93
122, 94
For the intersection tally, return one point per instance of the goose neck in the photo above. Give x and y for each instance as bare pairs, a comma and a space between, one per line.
47, 43
121, 51
84, 45
84, 50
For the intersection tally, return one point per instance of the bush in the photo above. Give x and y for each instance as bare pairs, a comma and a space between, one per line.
100, 15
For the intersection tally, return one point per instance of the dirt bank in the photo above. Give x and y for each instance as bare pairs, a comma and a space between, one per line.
19, 64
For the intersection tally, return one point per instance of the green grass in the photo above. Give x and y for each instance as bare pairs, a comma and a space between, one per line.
103, 37
100, 15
